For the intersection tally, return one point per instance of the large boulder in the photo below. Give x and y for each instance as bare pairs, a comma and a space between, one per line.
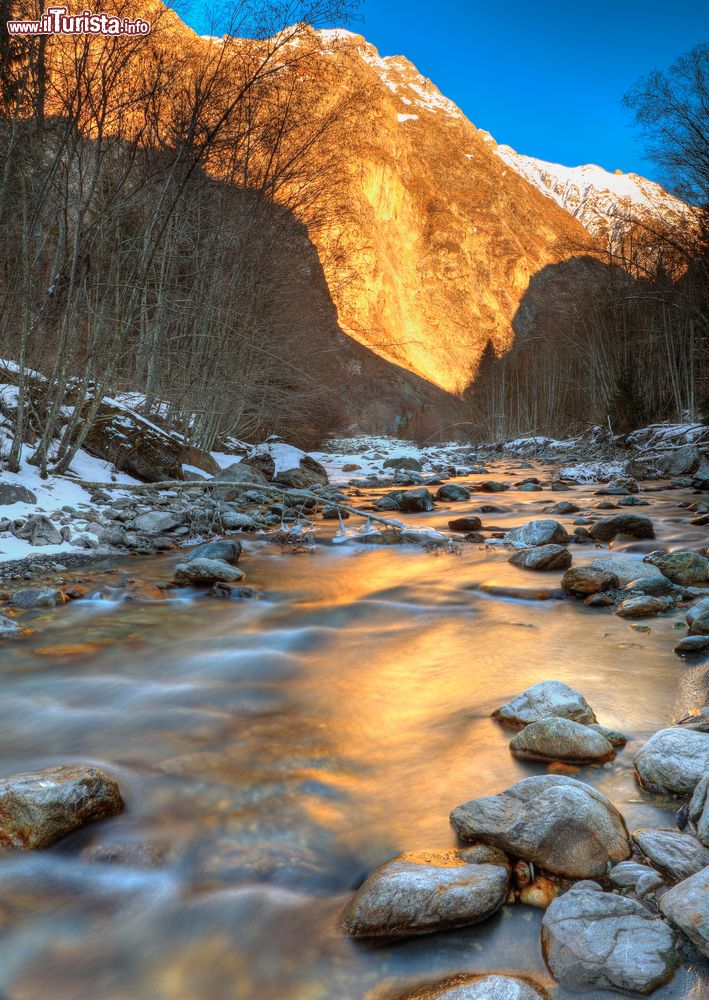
626, 569
673, 760
134, 445
630, 525
203, 572
676, 854
38, 530
415, 501
472, 987
37, 808
682, 567
687, 907
561, 739
597, 940
420, 893
698, 814
680, 462
12, 493
544, 532
563, 825
542, 557
309, 473
542, 700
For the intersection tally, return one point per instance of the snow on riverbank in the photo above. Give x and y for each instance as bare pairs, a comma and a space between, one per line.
52, 495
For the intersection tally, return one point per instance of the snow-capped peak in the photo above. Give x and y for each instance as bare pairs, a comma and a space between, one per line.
605, 203
397, 73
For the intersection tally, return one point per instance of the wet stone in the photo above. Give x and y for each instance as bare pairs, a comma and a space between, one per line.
431, 891
563, 825
206, 571
38, 808
542, 557
604, 941
542, 700
561, 739
687, 907
480, 987
673, 760
678, 855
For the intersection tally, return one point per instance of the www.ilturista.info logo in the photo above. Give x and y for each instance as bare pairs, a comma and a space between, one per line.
57, 21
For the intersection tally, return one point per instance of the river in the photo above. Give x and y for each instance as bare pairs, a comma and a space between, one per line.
271, 752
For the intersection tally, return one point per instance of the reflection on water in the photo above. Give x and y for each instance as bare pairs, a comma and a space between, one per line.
273, 751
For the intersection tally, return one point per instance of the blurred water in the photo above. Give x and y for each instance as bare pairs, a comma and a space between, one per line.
275, 750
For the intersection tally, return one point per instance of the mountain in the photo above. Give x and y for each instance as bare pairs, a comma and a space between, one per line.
606, 204
444, 239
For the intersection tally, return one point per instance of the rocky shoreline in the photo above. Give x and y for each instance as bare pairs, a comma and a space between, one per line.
622, 910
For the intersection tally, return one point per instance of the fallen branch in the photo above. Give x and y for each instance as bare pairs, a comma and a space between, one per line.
206, 484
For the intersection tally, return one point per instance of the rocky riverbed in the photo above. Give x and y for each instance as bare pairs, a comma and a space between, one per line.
339, 757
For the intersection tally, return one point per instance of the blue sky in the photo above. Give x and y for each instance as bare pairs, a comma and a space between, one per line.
546, 79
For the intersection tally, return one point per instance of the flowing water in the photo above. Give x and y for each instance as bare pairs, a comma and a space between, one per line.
273, 751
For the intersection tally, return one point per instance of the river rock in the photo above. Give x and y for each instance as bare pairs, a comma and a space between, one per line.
430, 891
643, 606
38, 597
240, 472
561, 739
157, 522
206, 571
453, 493
37, 808
626, 874
543, 532
562, 507
542, 557
586, 580
233, 521
698, 812
308, 474
684, 568
692, 645
466, 524
673, 760
491, 486
698, 618
653, 587
38, 530
224, 549
631, 525
9, 629
414, 501
687, 906
465, 987
133, 445
680, 462
566, 827
12, 493
542, 700
678, 855
627, 569
403, 462
598, 940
